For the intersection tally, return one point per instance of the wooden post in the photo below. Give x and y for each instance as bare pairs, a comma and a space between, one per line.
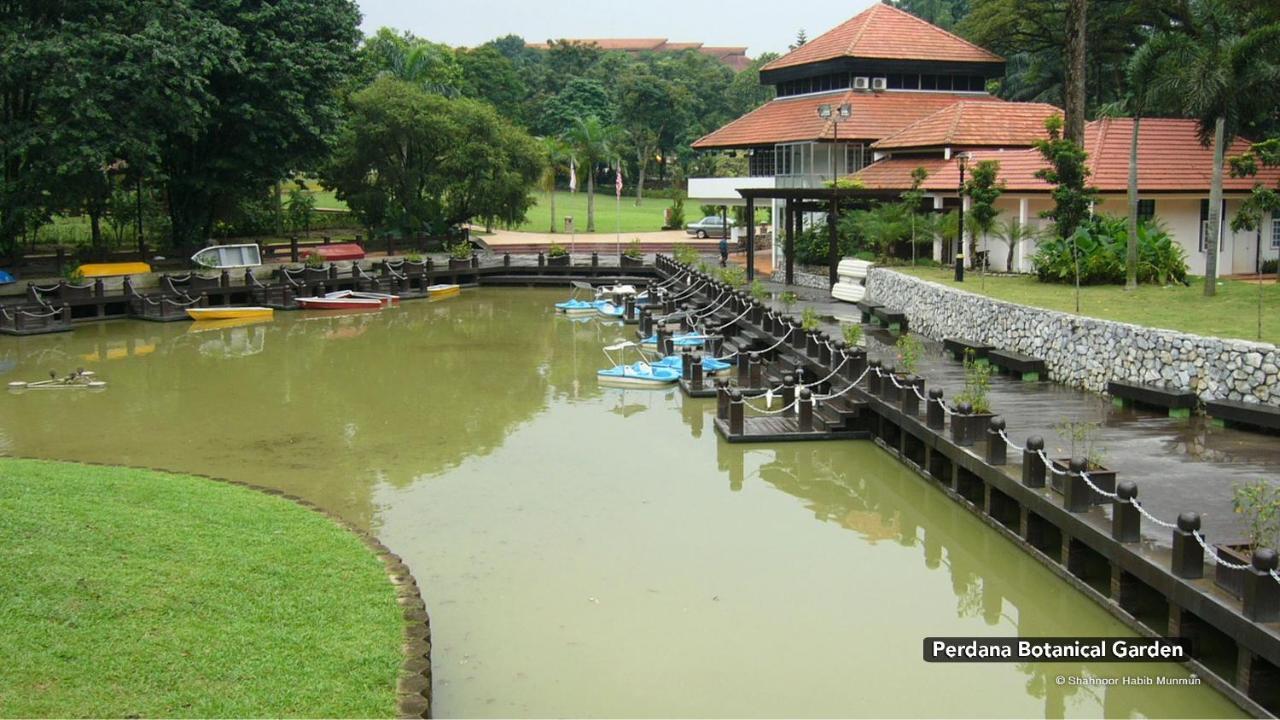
873, 378
958, 424
1076, 495
736, 418
744, 369
788, 393
751, 239
1261, 601
805, 419
695, 370
755, 372
722, 399
293, 248
910, 400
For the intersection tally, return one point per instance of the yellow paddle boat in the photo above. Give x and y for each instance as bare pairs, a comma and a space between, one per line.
229, 313
97, 270
437, 292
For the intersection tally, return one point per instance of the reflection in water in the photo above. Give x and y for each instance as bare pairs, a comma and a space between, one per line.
587, 551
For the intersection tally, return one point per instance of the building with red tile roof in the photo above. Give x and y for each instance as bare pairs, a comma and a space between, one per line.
1175, 173
973, 124
883, 32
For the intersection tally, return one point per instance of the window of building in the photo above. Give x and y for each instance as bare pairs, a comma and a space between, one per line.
1275, 233
1146, 210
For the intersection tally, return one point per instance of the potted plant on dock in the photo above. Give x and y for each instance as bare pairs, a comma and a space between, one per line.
1259, 503
557, 255
460, 256
788, 300
1083, 435
977, 387
633, 256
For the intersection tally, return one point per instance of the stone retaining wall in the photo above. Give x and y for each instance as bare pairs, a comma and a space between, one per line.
1087, 352
803, 279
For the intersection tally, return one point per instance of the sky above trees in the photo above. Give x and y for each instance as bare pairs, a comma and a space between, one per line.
761, 25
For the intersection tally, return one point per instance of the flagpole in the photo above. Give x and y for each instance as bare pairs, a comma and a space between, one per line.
618, 189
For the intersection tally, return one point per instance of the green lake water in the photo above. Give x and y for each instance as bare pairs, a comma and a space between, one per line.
585, 550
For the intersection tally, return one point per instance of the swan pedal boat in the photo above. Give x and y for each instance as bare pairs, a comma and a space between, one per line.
229, 313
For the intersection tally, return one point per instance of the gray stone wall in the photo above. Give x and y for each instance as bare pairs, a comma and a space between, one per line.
1087, 352
803, 279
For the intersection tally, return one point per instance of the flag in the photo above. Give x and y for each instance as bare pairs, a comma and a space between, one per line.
617, 183
573, 176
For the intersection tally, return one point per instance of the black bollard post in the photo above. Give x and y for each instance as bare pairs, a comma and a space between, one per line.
888, 386
959, 422
722, 399
799, 337
812, 344
646, 322
1032, 464
744, 368
836, 356
1126, 523
506, 259
911, 396
1076, 495
695, 370
1261, 591
1188, 554
660, 337
805, 419
736, 417
686, 367
824, 349
755, 376
788, 393
934, 416
542, 260
595, 260
857, 365
997, 451
757, 313
629, 308
873, 378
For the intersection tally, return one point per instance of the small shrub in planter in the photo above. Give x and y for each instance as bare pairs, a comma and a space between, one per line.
735, 277
1083, 435
977, 386
788, 299
809, 320
684, 254
852, 334
557, 255
758, 291
1259, 503
460, 256
634, 254
313, 261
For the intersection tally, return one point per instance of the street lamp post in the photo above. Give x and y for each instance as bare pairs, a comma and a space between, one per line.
836, 115
959, 249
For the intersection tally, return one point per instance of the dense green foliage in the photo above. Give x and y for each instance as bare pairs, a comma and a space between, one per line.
457, 160
1101, 244
138, 593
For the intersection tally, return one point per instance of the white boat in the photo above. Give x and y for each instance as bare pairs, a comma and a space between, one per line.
339, 303
386, 299
226, 257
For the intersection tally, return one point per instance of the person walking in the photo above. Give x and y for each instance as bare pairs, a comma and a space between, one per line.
724, 251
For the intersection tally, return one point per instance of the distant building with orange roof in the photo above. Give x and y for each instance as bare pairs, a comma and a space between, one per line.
735, 57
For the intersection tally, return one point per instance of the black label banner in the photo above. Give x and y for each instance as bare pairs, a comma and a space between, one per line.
1055, 649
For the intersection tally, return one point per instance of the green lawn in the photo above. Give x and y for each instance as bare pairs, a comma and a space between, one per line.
1232, 313
647, 217
127, 593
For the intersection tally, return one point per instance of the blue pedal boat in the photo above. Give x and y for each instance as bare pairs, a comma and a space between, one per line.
637, 374
711, 367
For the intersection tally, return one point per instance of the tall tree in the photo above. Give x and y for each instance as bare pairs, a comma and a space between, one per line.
1074, 92
943, 13
557, 156
417, 161
1225, 72
648, 107
274, 106
593, 142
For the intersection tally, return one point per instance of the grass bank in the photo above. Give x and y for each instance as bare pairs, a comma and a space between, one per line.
1232, 313
127, 593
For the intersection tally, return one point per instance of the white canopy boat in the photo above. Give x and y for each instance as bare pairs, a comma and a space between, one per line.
227, 257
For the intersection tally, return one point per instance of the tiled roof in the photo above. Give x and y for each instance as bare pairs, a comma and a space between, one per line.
795, 119
625, 44
1170, 159
733, 56
975, 123
883, 32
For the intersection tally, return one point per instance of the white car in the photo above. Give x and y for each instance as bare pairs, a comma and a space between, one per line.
709, 226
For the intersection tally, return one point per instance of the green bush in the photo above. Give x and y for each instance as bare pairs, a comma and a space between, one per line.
677, 212
1102, 244
1270, 266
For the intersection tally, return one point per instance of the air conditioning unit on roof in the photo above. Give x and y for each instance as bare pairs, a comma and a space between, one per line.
879, 84
862, 83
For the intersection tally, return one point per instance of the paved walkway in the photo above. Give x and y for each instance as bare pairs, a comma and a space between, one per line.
1179, 464
509, 238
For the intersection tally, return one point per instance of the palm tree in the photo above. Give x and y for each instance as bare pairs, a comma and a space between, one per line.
1013, 233
1222, 71
557, 155
592, 142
